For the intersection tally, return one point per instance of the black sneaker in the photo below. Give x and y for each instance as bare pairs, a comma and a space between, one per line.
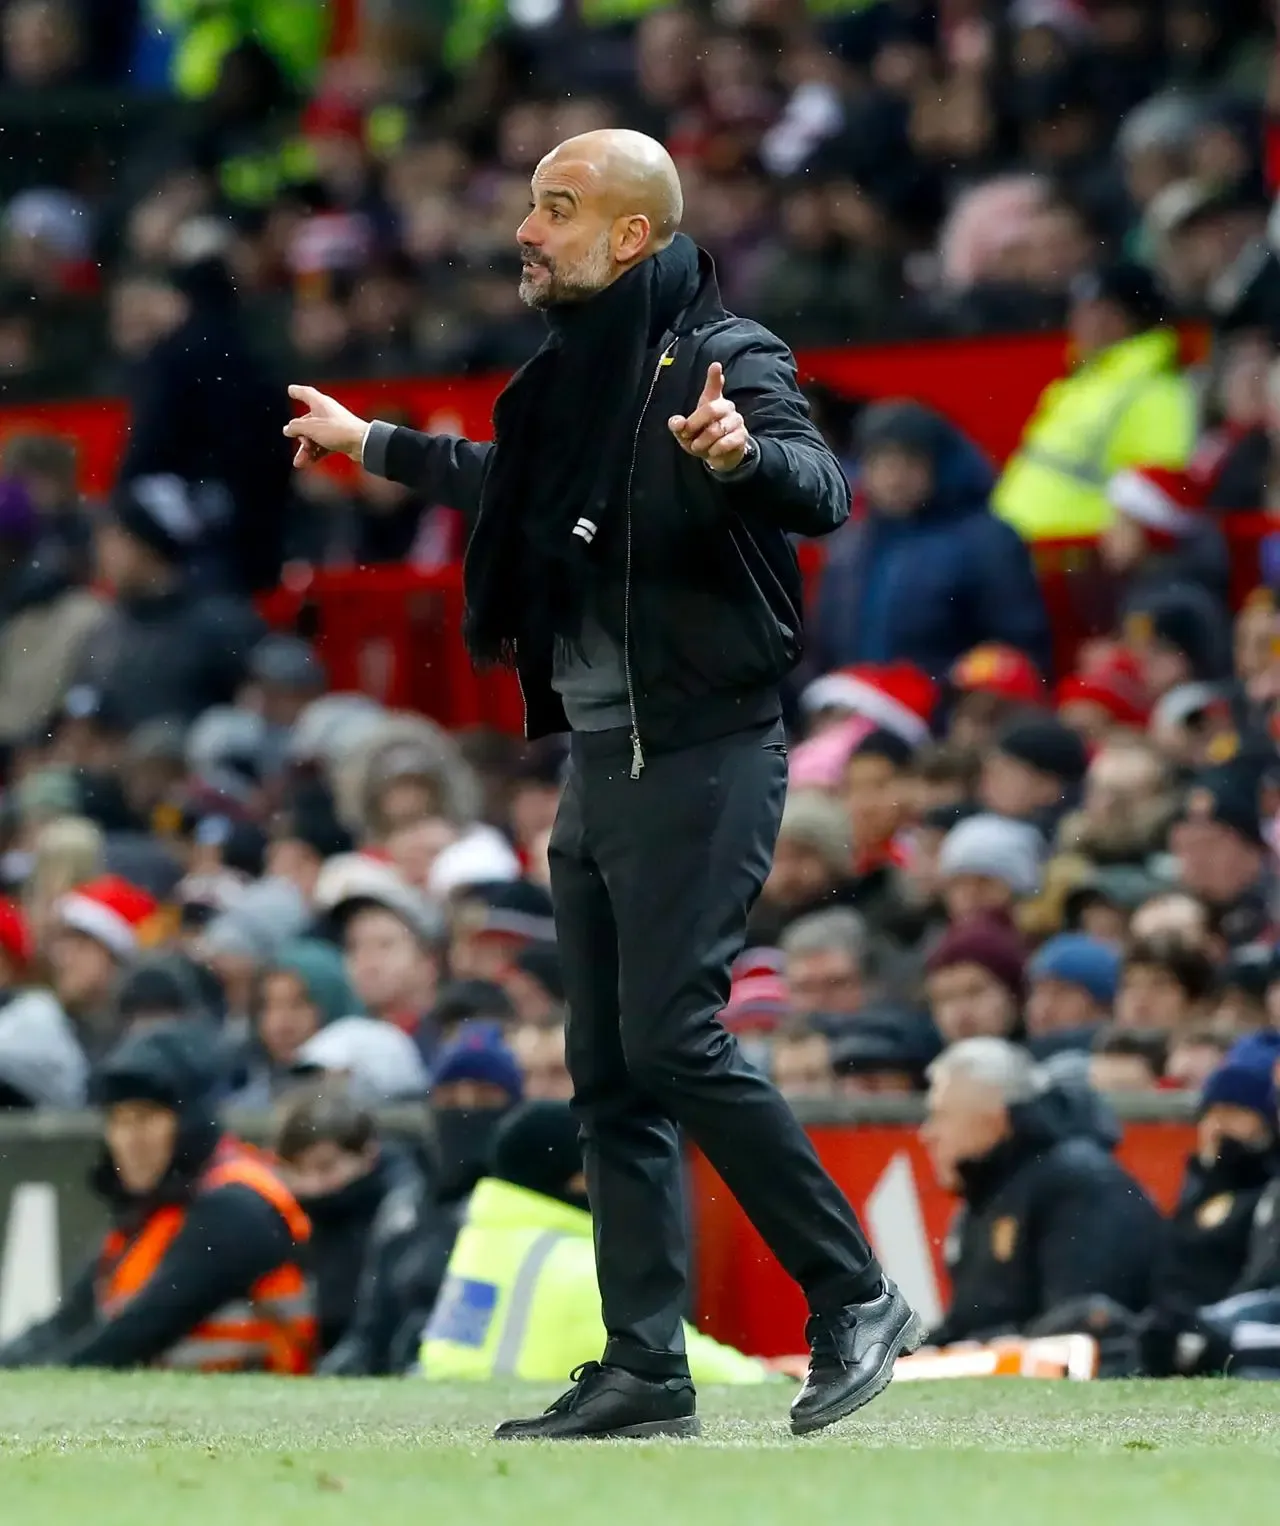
607, 1403
852, 1357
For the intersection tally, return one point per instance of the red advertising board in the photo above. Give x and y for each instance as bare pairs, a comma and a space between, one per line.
745, 1298
988, 386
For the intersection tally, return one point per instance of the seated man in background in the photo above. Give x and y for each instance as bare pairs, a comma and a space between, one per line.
199, 1270
1047, 1216
372, 1231
1207, 1241
520, 1298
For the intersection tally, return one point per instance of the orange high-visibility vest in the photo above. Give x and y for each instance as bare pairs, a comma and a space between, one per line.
273, 1329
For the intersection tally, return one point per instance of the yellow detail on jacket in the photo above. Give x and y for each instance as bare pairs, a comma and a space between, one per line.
1128, 405
520, 1298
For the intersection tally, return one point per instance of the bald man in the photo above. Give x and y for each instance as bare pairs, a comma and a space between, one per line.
630, 556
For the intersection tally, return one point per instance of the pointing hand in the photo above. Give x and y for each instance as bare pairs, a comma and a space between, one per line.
715, 431
326, 428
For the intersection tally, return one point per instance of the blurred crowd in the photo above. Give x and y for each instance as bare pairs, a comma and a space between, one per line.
858, 168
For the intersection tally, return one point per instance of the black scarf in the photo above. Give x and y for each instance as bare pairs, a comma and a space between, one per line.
563, 432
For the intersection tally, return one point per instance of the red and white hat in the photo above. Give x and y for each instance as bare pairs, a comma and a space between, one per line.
109, 910
1166, 502
897, 696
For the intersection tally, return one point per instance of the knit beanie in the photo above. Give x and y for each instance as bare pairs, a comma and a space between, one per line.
987, 942
1240, 1081
537, 1148
1079, 960
479, 1053
997, 848
1045, 744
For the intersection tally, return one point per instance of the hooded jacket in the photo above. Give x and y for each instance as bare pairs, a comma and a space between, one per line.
46, 622
929, 586
1048, 1216
404, 746
230, 1236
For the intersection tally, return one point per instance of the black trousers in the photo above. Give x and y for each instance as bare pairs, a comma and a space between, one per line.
652, 880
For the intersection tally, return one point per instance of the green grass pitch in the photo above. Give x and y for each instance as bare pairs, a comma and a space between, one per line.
158, 1450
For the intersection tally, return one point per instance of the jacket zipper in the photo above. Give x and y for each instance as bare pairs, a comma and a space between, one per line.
637, 752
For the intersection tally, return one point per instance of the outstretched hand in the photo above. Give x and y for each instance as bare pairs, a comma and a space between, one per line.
715, 431
327, 428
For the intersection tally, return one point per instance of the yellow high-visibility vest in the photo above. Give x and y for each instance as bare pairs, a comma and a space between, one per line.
520, 1298
1129, 405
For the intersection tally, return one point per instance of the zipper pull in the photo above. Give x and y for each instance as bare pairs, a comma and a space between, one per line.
637, 757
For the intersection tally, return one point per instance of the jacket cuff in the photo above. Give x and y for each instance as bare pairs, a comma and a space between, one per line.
741, 472
373, 453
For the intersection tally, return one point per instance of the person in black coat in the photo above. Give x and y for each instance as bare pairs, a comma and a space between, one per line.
205, 408
369, 1207
191, 648
1047, 1216
631, 555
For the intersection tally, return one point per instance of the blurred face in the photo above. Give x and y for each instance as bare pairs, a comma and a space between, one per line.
1123, 544
1215, 862
965, 1122
404, 802
896, 482
83, 971
533, 810
1191, 1063
483, 955
825, 980
1010, 788
123, 563
974, 722
288, 1017
576, 239
1056, 1006
874, 796
1164, 667
295, 861
1255, 641
325, 1167
1238, 1012
876, 1083
1120, 779
967, 895
799, 874
237, 974
1150, 997
1096, 325
1243, 387
802, 1066
140, 1138
540, 1054
1171, 916
531, 999
967, 1001
415, 848
1120, 1073
1228, 1121
1107, 923
388, 968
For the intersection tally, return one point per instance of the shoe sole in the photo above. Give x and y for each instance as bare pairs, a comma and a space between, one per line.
687, 1428
910, 1338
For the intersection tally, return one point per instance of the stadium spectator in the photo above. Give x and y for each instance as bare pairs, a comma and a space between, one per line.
991, 685
1034, 772
1221, 853
192, 647
201, 1227
370, 1212
1164, 985
986, 864
976, 980
1071, 985
537, 1189
928, 529
802, 1062
1127, 404
1049, 1215
829, 964
1127, 1060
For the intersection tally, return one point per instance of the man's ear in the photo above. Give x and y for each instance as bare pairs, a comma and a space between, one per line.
630, 237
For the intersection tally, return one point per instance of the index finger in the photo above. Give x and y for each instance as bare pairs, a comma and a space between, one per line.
307, 395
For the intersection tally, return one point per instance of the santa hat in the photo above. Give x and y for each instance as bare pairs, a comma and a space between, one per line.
1168, 504
1114, 683
758, 1003
897, 696
1002, 670
109, 910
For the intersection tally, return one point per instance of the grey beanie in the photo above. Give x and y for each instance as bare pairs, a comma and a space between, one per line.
994, 846
813, 819
268, 915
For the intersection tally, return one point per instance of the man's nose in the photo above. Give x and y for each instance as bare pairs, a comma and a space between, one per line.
527, 232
